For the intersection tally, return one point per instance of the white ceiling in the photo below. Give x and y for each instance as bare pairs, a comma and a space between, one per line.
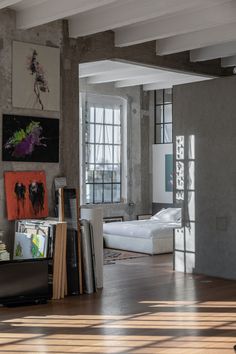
126, 74
206, 28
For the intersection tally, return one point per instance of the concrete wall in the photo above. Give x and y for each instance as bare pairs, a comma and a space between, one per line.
53, 34
138, 149
208, 111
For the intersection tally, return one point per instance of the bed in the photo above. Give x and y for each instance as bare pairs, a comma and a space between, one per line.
152, 236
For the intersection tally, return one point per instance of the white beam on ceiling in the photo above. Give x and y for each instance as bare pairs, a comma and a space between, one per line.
53, 10
198, 39
148, 79
103, 66
90, 69
206, 17
171, 83
124, 74
114, 76
158, 85
213, 52
6, 3
130, 12
229, 61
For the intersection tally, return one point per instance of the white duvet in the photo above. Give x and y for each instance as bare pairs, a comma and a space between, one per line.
140, 228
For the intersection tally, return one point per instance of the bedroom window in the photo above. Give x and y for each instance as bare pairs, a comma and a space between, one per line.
163, 116
102, 157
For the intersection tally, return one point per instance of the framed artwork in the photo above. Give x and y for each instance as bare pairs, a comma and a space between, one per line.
30, 245
162, 168
30, 139
169, 173
26, 195
113, 219
35, 76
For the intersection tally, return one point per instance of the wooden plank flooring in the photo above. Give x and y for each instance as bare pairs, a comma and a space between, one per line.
144, 308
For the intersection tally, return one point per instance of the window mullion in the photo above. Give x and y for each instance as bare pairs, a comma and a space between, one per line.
121, 152
113, 147
163, 112
94, 152
104, 132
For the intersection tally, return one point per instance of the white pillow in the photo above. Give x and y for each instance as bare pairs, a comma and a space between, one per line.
168, 215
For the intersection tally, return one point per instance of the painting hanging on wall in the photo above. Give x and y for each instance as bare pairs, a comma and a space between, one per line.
162, 182
26, 195
35, 76
169, 173
30, 139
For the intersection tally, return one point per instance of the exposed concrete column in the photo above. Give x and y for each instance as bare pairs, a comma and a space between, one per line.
69, 145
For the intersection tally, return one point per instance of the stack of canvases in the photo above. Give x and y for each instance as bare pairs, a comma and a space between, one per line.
36, 239
26, 196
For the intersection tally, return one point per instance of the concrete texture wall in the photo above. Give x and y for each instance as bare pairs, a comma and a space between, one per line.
69, 162
53, 34
207, 110
138, 149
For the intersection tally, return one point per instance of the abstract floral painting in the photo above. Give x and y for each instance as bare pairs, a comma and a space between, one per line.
26, 195
30, 245
30, 139
36, 76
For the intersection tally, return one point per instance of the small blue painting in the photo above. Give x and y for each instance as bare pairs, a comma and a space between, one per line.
169, 173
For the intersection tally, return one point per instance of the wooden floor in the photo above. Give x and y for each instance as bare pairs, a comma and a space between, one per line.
144, 308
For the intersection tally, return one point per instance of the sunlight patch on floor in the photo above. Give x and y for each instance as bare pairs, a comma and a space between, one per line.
195, 327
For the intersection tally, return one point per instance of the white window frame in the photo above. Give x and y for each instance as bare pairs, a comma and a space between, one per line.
104, 101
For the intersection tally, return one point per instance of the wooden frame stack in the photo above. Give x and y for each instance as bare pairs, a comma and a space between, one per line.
59, 262
59, 256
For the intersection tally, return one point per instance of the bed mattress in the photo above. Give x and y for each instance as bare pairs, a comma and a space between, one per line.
139, 228
145, 236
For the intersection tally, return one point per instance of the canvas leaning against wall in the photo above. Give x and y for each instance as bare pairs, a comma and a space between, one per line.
26, 195
30, 139
35, 76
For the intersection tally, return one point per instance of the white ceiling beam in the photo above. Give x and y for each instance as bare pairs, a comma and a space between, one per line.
213, 52
124, 74
177, 24
157, 86
198, 39
126, 13
94, 68
6, 3
138, 81
229, 61
103, 66
148, 79
171, 83
53, 10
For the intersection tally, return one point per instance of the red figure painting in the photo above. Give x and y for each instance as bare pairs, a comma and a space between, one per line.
26, 195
